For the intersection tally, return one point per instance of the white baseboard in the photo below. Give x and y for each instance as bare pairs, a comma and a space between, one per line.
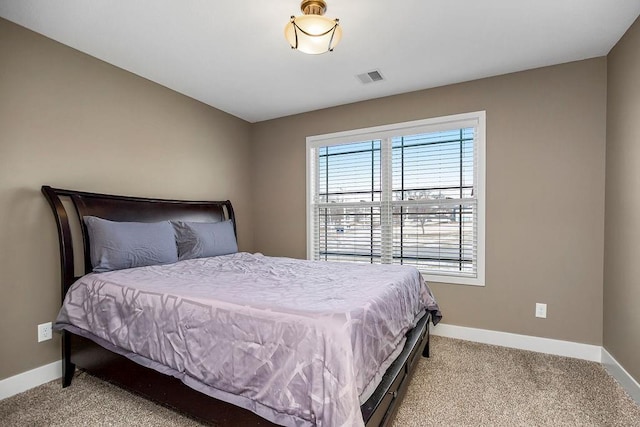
619, 373
30, 379
522, 342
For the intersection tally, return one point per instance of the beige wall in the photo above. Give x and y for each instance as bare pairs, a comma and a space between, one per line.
69, 120
545, 193
622, 230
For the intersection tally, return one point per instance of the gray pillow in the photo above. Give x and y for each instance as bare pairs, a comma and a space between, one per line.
205, 239
119, 245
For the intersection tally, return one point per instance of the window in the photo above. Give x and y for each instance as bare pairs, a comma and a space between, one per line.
410, 193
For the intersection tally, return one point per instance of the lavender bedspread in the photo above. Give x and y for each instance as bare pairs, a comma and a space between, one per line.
298, 342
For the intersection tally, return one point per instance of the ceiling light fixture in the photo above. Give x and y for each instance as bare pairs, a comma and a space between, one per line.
313, 33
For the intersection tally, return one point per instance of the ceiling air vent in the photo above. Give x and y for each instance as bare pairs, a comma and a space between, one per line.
370, 77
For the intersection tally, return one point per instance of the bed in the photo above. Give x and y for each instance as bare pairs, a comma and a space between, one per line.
337, 371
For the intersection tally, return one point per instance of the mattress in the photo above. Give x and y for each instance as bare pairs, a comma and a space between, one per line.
297, 342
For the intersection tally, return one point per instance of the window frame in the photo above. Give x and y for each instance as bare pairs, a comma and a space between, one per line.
475, 119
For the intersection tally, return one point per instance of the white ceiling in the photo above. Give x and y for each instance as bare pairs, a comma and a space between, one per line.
232, 54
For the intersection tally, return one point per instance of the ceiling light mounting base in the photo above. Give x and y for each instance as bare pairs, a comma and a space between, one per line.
313, 7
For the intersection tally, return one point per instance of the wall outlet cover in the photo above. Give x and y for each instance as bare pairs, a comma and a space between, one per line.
45, 331
541, 310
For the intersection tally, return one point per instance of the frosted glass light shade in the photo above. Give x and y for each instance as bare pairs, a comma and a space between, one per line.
313, 34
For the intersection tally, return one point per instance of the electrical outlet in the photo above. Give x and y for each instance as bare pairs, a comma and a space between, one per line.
541, 310
45, 332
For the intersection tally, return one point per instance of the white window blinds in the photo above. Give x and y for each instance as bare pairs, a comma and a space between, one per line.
410, 194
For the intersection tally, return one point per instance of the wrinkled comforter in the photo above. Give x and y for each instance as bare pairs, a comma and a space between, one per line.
298, 342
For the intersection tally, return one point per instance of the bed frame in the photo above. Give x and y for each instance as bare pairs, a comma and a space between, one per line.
84, 354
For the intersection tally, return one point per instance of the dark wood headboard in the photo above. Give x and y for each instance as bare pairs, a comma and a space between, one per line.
121, 208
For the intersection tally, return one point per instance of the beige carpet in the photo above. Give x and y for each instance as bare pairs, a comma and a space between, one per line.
462, 384
470, 384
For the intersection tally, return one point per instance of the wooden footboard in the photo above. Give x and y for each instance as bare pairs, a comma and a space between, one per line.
168, 391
